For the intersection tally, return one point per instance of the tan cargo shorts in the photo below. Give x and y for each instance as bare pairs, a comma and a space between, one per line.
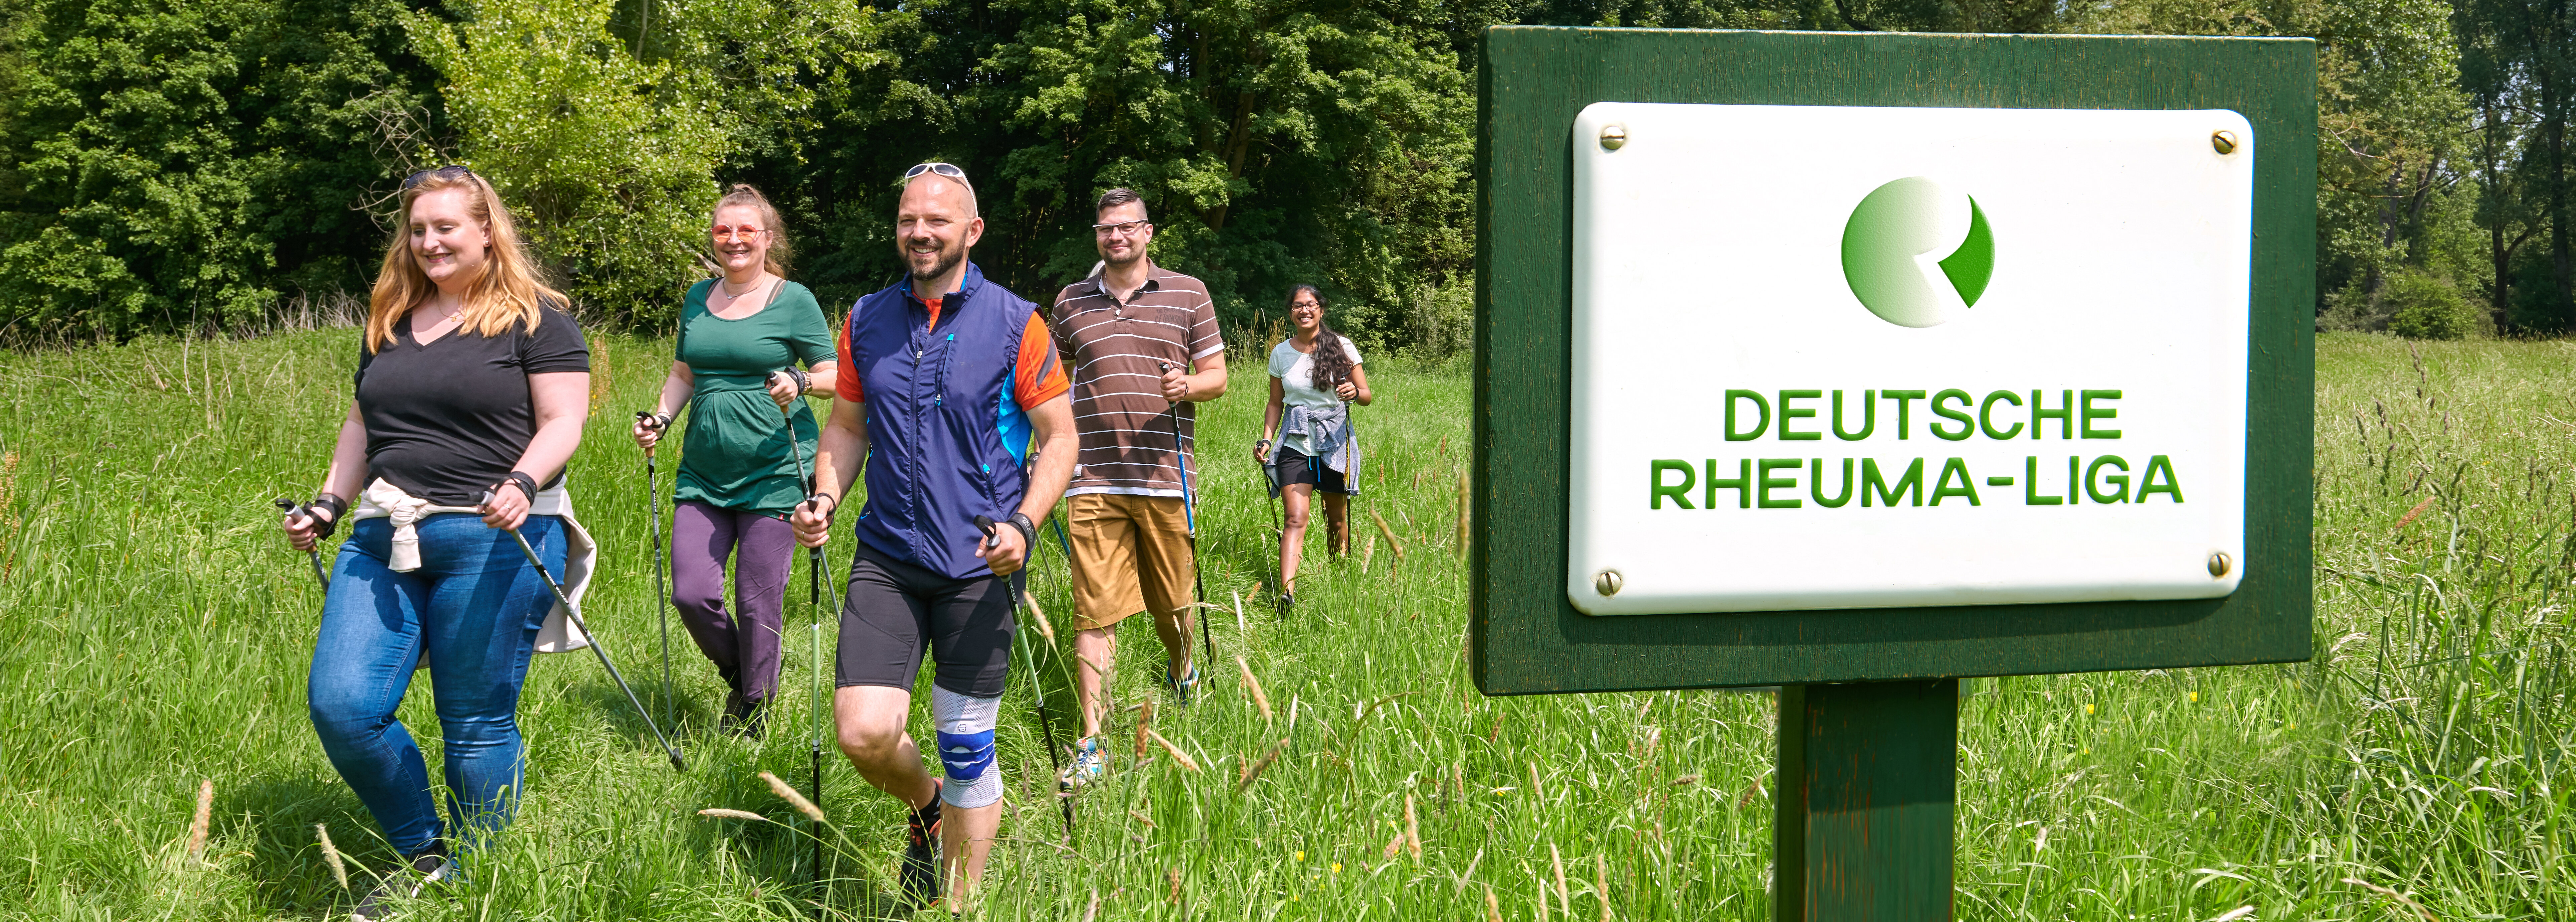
1130, 554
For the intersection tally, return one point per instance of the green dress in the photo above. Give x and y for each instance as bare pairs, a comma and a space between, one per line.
736, 453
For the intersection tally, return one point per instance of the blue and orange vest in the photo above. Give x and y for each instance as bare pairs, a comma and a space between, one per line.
946, 440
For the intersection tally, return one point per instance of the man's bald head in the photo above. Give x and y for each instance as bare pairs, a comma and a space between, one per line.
954, 195
934, 226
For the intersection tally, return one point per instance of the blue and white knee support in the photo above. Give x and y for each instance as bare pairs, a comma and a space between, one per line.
965, 725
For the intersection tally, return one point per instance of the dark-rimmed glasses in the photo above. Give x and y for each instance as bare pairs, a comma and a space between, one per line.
949, 170
450, 171
1120, 229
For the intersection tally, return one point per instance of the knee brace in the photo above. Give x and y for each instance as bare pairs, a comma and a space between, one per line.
965, 725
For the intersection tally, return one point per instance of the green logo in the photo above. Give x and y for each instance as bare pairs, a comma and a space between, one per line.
1915, 250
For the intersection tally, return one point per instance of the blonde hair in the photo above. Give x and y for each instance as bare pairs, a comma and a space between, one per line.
743, 195
508, 290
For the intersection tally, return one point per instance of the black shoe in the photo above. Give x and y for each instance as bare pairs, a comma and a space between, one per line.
920, 879
1287, 603
420, 871
742, 716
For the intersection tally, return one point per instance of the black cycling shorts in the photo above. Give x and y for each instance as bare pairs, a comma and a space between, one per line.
1293, 467
896, 610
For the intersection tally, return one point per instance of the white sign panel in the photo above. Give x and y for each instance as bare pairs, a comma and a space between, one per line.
1842, 357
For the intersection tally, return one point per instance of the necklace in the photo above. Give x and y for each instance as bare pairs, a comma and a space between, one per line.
731, 294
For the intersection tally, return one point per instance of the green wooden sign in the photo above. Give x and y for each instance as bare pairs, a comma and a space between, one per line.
1530, 637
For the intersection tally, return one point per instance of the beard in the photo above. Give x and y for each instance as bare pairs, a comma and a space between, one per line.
947, 258
1134, 253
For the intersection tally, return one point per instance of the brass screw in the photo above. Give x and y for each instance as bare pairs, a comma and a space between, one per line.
2223, 142
1606, 583
1613, 137
2219, 564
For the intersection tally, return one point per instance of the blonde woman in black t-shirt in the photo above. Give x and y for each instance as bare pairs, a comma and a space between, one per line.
471, 379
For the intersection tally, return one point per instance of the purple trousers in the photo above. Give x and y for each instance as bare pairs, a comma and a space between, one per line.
744, 645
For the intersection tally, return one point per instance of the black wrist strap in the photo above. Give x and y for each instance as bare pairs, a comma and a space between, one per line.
803, 383
1028, 531
836, 503
330, 503
527, 484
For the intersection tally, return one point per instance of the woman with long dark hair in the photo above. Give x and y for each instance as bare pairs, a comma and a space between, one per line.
749, 434
472, 386
1315, 376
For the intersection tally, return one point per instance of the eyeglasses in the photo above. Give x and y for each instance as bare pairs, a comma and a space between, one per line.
730, 234
1121, 229
445, 172
949, 170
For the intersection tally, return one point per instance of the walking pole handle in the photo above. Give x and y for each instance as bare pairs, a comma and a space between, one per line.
649, 420
291, 508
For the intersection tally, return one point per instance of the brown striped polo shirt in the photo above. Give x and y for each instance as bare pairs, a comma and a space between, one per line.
1114, 350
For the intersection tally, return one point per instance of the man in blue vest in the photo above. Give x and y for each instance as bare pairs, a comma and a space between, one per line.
945, 379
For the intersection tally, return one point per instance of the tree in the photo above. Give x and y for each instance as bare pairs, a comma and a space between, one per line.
180, 163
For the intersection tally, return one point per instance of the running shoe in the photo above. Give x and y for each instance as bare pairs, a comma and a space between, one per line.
1184, 687
920, 879
755, 714
424, 869
1287, 603
736, 708
1088, 764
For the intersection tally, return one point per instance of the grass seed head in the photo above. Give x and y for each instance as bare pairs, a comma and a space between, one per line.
331, 855
1045, 628
1255, 685
724, 813
1254, 770
1601, 883
1412, 831
1564, 894
1177, 754
198, 827
788, 793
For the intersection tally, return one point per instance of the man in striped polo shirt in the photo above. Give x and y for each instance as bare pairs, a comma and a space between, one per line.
1132, 332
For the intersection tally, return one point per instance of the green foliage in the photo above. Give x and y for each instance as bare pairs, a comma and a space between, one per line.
609, 159
2423, 307
610, 145
168, 164
171, 163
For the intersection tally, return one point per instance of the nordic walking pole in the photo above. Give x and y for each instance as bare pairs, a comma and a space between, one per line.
1190, 518
661, 595
595, 646
315, 555
805, 481
1046, 728
817, 749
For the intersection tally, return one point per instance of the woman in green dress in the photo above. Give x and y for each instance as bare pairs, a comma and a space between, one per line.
749, 435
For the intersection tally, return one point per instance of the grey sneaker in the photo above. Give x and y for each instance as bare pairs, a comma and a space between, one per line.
423, 870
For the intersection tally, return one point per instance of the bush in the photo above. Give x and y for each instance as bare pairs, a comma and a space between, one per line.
2421, 306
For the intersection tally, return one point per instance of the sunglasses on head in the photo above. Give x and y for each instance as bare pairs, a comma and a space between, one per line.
445, 172
949, 170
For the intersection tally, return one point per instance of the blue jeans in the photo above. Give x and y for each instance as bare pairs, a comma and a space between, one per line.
473, 610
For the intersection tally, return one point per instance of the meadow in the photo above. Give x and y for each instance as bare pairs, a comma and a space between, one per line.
154, 634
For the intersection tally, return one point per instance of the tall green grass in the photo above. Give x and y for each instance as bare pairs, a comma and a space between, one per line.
154, 631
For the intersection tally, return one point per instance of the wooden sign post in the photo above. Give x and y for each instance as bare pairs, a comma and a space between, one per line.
1858, 364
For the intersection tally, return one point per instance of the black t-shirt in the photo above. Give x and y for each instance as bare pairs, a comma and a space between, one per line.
448, 420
